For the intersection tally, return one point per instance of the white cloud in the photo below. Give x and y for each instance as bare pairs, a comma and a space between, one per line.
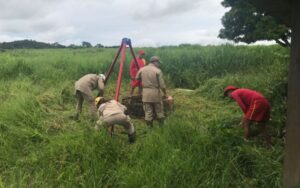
10, 38
147, 42
59, 34
26, 9
147, 23
158, 9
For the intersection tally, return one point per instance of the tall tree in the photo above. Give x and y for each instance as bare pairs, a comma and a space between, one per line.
287, 12
245, 22
86, 44
292, 148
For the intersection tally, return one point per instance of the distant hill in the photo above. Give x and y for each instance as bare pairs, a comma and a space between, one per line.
20, 44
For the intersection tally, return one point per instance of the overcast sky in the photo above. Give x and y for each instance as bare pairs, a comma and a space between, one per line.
147, 22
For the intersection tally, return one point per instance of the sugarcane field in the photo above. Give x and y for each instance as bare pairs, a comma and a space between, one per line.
144, 111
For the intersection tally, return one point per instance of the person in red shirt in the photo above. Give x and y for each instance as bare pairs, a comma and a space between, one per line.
133, 71
255, 106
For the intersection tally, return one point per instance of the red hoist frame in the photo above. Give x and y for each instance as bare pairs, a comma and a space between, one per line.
122, 49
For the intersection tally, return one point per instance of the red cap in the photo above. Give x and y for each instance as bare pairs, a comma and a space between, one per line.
141, 52
229, 88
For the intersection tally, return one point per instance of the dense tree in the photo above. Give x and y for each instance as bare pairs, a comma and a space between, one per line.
245, 22
74, 46
287, 12
86, 44
57, 45
99, 45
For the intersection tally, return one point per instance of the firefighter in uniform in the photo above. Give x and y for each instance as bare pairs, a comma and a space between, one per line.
83, 91
133, 71
255, 106
153, 91
111, 112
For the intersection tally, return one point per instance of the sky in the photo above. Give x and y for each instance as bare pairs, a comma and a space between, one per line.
147, 23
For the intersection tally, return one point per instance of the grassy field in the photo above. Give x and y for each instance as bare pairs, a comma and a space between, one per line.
201, 144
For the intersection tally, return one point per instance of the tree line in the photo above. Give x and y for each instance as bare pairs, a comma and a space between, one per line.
32, 44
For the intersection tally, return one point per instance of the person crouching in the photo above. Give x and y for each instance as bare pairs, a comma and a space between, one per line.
111, 112
255, 106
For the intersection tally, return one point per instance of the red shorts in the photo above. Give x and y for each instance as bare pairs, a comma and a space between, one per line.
136, 83
259, 111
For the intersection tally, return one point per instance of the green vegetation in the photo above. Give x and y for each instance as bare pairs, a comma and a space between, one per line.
32, 44
28, 44
247, 21
201, 144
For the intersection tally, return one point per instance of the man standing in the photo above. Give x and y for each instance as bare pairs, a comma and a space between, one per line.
110, 113
255, 106
83, 91
134, 69
153, 86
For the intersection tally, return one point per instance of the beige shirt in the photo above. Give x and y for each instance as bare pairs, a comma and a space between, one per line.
152, 83
88, 83
110, 108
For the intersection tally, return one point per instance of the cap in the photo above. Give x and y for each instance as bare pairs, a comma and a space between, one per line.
141, 52
229, 88
154, 59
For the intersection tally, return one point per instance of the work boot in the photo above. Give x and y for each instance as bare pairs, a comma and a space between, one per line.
131, 138
149, 124
161, 122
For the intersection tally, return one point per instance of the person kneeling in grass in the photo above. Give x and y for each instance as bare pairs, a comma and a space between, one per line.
255, 106
110, 113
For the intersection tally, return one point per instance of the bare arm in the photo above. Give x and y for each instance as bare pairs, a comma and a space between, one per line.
240, 102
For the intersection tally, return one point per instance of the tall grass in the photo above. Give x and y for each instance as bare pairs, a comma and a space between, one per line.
201, 144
